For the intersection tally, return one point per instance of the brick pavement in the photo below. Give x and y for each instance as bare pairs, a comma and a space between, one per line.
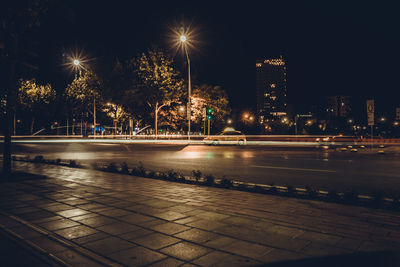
90, 218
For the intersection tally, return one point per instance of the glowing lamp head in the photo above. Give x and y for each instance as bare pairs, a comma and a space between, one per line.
76, 62
183, 38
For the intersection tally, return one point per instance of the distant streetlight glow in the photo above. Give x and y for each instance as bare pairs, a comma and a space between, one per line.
76, 62
183, 38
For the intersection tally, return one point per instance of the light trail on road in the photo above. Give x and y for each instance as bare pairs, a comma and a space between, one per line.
292, 169
298, 166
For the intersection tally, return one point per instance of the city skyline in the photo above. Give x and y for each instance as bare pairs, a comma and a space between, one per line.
339, 50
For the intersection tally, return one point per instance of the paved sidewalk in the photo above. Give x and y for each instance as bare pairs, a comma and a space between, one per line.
90, 218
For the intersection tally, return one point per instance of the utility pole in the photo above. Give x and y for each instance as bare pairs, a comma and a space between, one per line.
205, 118
94, 117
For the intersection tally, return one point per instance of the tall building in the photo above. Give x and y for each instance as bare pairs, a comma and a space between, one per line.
338, 106
271, 88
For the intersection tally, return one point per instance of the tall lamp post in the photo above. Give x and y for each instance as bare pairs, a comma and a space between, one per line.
78, 65
189, 106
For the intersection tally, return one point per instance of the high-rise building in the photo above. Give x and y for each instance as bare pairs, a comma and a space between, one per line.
271, 88
338, 106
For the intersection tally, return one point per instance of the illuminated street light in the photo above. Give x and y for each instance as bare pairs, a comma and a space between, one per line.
77, 65
229, 121
189, 108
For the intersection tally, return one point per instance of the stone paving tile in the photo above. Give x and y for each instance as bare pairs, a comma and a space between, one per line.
136, 234
197, 236
97, 221
182, 208
208, 215
170, 228
114, 212
187, 220
75, 201
107, 246
91, 206
137, 256
320, 238
279, 241
279, 255
207, 224
170, 215
83, 217
72, 212
136, 218
76, 232
58, 224
247, 249
90, 238
155, 241
289, 231
47, 219
57, 207
159, 203
217, 258
168, 262
118, 228
149, 224
75, 259
185, 251
37, 215
219, 242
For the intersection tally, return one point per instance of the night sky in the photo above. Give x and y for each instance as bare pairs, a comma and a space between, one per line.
336, 48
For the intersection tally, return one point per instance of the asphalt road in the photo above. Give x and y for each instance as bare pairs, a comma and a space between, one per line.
364, 171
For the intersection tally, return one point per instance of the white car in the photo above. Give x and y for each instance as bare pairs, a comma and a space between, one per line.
227, 137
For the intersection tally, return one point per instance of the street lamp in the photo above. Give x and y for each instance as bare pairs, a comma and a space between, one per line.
77, 65
189, 109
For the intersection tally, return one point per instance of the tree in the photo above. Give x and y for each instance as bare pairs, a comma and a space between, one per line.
207, 96
160, 83
121, 88
17, 21
83, 93
35, 98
